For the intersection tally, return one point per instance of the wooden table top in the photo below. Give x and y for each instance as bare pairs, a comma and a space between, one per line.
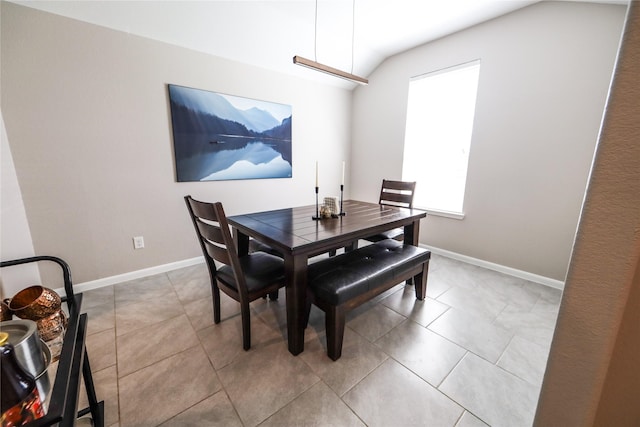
293, 231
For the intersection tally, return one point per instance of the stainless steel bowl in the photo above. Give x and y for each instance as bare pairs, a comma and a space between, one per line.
23, 335
43, 381
32, 353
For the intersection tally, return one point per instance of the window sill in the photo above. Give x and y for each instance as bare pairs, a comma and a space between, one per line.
445, 214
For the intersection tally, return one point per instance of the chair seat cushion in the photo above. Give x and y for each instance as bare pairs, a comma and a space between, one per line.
260, 270
341, 278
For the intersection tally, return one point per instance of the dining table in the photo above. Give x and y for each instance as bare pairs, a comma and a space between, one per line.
297, 235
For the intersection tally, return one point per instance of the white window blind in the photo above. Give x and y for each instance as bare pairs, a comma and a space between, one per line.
440, 112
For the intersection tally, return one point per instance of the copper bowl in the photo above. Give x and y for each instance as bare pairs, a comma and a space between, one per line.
5, 312
52, 326
35, 303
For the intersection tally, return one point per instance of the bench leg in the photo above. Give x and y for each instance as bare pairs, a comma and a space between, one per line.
334, 325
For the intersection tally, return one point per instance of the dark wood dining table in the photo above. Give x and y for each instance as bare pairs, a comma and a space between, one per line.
297, 236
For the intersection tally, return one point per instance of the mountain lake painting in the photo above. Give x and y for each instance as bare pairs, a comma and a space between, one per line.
223, 137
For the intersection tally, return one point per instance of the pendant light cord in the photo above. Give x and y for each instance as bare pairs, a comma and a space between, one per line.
353, 31
315, 65
315, 36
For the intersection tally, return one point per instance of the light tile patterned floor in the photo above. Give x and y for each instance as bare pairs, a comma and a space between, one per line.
472, 354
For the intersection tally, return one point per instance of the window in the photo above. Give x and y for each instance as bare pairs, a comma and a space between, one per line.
440, 113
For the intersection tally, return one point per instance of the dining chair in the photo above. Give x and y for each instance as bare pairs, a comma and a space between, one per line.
246, 278
394, 193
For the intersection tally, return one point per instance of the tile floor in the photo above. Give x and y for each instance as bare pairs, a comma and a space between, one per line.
472, 354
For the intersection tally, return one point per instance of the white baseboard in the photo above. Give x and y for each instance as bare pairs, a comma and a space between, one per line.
553, 283
112, 280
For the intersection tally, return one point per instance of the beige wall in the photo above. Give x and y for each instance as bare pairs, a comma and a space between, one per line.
543, 83
593, 377
88, 124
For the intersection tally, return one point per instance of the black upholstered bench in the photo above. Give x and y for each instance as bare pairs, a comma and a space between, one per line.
343, 282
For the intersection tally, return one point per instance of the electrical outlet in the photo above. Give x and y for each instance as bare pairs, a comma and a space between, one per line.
138, 242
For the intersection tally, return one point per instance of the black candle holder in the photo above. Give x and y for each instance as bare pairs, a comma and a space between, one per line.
317, 216
342, 213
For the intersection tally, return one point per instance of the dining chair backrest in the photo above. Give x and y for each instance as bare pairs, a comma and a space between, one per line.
397, 193
215, 238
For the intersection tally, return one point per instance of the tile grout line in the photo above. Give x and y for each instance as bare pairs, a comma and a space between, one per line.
387, 357
465, 409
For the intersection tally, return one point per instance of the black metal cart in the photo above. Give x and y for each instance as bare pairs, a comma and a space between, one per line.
63, 404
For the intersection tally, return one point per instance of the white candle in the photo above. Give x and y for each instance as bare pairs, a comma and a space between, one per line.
316, 173
343, 172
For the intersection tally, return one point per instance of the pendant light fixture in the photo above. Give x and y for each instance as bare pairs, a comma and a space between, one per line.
314, 65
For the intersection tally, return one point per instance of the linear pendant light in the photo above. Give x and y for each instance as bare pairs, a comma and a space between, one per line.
299, 60
314, 65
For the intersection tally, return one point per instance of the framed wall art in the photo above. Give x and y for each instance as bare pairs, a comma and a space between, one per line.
223, 137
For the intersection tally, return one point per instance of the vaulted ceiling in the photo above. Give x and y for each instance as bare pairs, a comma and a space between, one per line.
352, 35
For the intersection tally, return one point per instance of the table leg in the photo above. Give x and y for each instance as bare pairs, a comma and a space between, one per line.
412, 233
242, 241
296, 287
